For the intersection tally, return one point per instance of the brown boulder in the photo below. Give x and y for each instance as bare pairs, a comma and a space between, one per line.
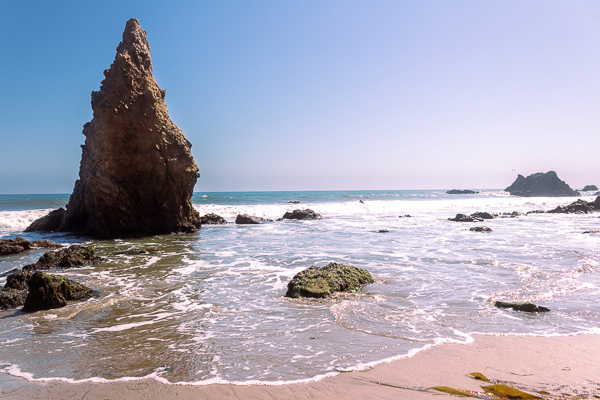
137, 173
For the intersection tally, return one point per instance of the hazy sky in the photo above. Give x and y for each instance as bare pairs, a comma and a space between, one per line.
315, 95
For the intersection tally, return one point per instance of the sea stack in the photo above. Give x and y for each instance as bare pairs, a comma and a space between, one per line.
137, 173
540, 185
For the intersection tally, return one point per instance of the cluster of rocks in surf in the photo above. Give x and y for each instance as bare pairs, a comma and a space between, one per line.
305, 214
35, 290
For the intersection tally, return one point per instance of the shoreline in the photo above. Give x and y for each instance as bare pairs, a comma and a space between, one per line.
556, 365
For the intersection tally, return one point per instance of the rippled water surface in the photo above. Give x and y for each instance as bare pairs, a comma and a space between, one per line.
210, 306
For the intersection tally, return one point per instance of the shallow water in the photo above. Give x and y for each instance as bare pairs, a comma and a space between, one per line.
210, 307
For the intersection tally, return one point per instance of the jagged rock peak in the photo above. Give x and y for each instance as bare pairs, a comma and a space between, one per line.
135, 44
137, 173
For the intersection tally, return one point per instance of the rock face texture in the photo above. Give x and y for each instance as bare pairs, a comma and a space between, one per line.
323, 282
540, 185
137, 173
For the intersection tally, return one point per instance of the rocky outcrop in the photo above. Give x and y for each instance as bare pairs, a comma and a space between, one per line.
212, 219
302, 215
19, 245
526, 307
540, 185
73, 256
323, 282
455, 191
589, 188
137, 173
245, 219
47, 292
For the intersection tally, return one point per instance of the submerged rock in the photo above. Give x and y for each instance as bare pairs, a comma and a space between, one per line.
137, 172
540, 185
526, 307
73, 256
47, 292
245, 219
323, 282
480, 229
19, 245
302, 214
455, 191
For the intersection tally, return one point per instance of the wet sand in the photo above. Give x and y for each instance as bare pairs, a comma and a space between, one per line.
560, 366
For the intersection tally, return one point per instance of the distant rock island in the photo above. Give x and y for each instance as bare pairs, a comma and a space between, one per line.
589, 187
456, 191
540, 185
137, 173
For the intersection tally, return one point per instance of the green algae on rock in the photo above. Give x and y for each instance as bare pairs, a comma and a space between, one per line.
320, 282
47, 292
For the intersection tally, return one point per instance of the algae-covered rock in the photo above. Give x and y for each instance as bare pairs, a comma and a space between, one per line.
47, 292
322, 282
74, 256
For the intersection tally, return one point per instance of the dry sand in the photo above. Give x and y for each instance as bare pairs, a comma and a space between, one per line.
562, 366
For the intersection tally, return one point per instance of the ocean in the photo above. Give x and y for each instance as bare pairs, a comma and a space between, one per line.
209, 307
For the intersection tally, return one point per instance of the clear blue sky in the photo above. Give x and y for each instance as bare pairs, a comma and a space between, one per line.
315, 95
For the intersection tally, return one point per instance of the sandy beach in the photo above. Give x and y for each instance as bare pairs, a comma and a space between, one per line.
549, 367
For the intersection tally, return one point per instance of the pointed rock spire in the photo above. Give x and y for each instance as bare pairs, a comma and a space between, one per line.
137, 173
